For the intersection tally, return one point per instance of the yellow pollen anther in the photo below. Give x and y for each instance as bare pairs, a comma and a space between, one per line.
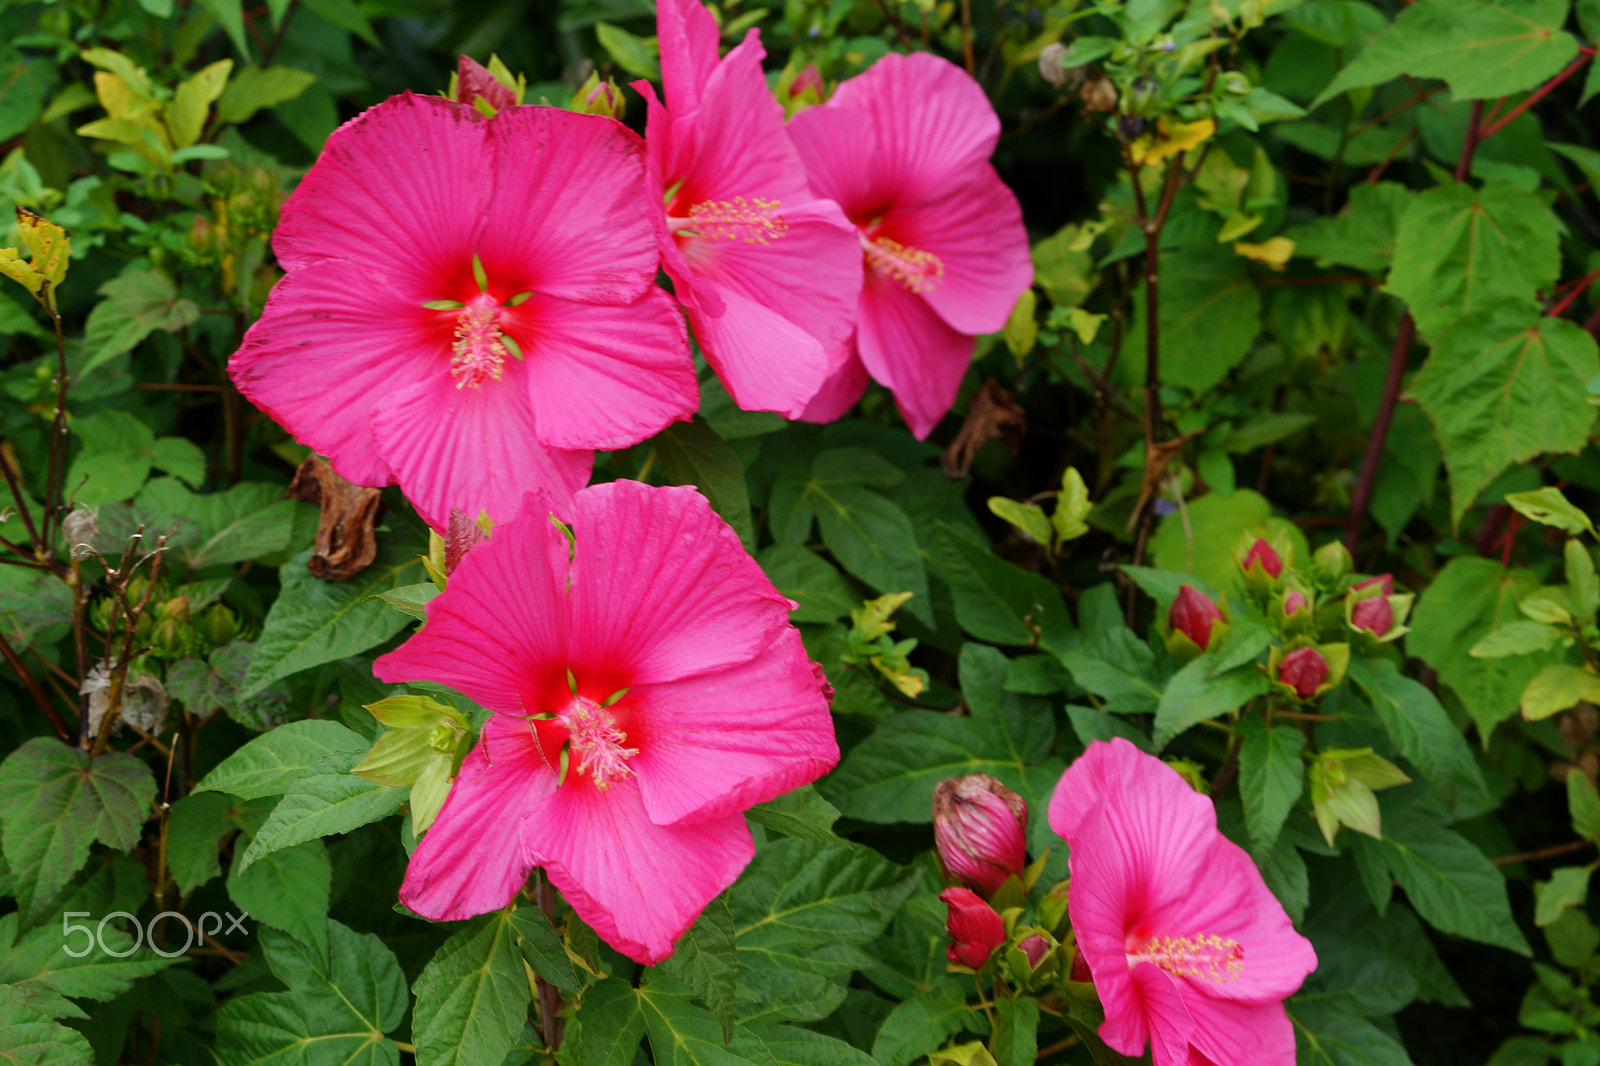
1210, 957
596, 743
733, 220
479, 352
914, 268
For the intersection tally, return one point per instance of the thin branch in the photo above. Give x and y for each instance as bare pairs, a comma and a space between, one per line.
966, 37
1576, 289
35, 690
550, 1025
1543, 853
54, 489
1534, 97
22, 502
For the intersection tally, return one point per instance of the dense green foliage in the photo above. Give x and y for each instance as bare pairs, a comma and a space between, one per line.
1313, 271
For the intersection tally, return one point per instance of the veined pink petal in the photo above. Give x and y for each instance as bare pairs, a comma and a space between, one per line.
908, 347
472, 860
501, 622
400, 188
569, 216
933, 122
333, 340
1239, 1034
639, 885
840, 151
473, 448
660, 583
688, 36
766, 362
603, 377
840, 392
977, 233
722, 742
1171, 1025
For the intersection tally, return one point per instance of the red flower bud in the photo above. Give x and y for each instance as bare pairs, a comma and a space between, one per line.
975, 928
1374, 615
1385, 580
1080, 969
474, 80
806, 79
1192, 614
979, 826
462, 535
1294, 603
1261, 552
1035, 948
1303, 670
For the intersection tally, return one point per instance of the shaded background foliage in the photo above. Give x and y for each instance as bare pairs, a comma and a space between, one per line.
1369, 134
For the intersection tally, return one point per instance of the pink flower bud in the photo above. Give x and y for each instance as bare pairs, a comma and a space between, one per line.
1035, 948
462, 535
806, 79
1384, 580
975, 928
1303, 670
1374, 615
979, 826
1192, 615
1262, 553
1294, 603
473, 80
1080, 969
606, 99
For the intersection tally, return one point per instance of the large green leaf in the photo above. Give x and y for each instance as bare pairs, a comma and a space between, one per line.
325, 800
1504, 385
1467, 600
136, 305
195, 828
27, 1037
611, 1024
692, 453
38, 964
924, 1022
1210, 314
1271, 776
1200, 692
55, 802
805, 577
1363, 234
287, 890
1481, 48
314, 621
1326, 1036
873, 539
996, 601
802, 813
340, 1005
270, 764
792, 1046
248, 521
682, 1034
472, 997
1460, 249
203, 685
705, 959
1202, 541
1419, 727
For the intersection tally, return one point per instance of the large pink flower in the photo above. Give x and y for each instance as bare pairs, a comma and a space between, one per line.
469, 305
1188, 948
647, 689
904, 149
767, 272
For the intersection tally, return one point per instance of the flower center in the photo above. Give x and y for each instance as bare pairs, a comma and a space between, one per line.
479, 352
914, 268
595, 742
1211, 957
755, 222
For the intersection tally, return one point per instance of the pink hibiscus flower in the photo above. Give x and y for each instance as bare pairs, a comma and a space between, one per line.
469, 305
904, 149
1188, 948
767, 272
647, 689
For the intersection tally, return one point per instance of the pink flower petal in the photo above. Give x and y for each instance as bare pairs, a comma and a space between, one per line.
688, 34
839, 149
977, 233
766, 362
840, 392
600, 376
333, 340
661, 584
1171, 1025
908, 347
933, 122
401, 188
1240, 1034
473, 448
722, 742
569, 216
471, 861
639, 885
500, 623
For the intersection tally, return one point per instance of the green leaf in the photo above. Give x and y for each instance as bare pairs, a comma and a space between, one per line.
472, 997
873, 539
248, 521
543, 949
1481, 48
115, 460
611, 1024
1016, 1031
793, 1046
1210, 314
24, 85
1326, 1036
1363, 234
270, 764
195, 828
1266, 429
205, 686
1271, 777
136, 305
37, 964
1028, 518
339, 1006
29, 1037
1556, 687
691, 453
1418, 726
326, 799
1119, 668
822, 592
706, 960
890, 776
1548, 506
1453, 886
1520, 637
1194, 695
631, 53
231, 14
802, 913
802, 814
1460, 249
191, 102
1568, 887
1203, 544
1467, 600
253, 89
1584, 806
314, 621
347, 16
924, 1022
287, 890
682, 1034
55, 802
996, 601
411, 599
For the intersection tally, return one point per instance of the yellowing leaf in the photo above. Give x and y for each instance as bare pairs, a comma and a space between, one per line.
1275, 251
1557, 687
48, 251
1022, 330
186, 115
1084, 324
1176, 138
873, 617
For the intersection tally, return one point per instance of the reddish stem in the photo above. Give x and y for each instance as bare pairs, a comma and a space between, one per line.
1538, 94
1576, 289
